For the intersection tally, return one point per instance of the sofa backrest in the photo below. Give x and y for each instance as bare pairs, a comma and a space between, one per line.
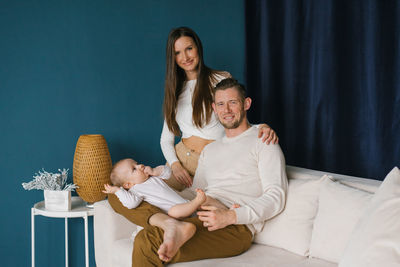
365, 184
320, 206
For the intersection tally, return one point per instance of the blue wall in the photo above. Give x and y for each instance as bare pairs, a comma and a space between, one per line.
72, 67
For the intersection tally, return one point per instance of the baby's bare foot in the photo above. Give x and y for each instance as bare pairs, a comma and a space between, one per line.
175, 236
200, 197
213, 202
234, 206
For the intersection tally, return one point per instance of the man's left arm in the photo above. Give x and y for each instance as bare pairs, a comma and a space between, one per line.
272, 172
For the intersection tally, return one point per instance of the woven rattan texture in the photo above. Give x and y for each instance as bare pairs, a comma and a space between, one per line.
92, 167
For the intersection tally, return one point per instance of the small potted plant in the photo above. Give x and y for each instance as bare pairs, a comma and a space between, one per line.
57, 193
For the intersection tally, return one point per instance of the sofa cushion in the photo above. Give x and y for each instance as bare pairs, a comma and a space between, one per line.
339, 209
259, 255
121, 253
376, 238
291, 229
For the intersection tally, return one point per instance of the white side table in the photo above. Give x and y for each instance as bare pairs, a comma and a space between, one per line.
78, 209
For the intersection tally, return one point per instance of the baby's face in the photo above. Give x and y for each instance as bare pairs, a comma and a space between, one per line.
133, 172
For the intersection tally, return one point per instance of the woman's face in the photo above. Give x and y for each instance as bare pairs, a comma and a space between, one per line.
186, 56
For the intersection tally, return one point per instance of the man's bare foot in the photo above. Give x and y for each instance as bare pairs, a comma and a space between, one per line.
175, 235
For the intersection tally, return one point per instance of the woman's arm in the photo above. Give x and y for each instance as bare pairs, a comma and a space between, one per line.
267, 133
167, 142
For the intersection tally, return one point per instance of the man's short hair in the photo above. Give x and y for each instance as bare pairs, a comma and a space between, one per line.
230, 83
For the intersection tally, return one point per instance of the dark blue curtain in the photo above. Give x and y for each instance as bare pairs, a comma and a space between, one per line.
326, 76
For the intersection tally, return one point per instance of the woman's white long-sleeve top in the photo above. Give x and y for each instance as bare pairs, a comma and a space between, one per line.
184, 117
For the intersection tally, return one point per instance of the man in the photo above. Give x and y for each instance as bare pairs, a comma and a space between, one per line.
239, 169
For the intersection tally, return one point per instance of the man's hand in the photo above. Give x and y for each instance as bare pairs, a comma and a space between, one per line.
214, 218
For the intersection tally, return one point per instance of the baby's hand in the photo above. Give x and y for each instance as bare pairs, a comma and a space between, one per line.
234, 206
110, 189
149, 171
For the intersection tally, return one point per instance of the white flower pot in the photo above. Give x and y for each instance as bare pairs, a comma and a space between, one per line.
57, 200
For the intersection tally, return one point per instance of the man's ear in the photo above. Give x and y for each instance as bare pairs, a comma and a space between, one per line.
213, 106
247, 103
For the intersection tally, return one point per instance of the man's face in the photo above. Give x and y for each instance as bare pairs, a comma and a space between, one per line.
229, 107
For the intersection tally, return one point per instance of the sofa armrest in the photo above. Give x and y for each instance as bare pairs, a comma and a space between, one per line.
108, 226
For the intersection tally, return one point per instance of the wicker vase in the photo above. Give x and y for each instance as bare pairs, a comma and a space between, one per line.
92, 167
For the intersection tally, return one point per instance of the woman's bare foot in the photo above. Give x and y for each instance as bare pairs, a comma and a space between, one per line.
176, 234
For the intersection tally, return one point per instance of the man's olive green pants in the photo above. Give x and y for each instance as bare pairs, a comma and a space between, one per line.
226, 242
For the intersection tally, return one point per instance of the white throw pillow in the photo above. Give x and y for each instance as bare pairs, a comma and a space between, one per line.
376, 238
339, 209
291, 229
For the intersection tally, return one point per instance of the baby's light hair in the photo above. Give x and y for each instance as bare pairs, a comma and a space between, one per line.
115, 176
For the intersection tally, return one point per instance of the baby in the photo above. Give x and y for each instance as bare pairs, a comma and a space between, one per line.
134, 183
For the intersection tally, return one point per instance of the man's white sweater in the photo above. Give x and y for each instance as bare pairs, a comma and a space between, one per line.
244, 170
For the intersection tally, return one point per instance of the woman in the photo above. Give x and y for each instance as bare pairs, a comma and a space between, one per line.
187, 106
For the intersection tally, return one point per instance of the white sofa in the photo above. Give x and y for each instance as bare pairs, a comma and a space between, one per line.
322, 212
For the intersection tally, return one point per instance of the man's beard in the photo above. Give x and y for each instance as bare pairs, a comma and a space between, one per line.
234, 124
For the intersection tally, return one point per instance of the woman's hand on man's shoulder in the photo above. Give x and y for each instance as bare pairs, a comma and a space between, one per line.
267, 134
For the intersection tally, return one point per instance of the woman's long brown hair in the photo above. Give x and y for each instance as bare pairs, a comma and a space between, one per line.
175, 78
